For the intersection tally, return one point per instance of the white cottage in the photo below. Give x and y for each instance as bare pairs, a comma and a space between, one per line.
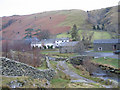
49, 43
44, 44
59, 41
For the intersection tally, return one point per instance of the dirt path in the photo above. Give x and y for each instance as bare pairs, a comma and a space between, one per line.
72, 74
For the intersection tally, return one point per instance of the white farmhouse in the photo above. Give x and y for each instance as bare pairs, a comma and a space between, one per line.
49, 43
36, 44
44, 44
59, 41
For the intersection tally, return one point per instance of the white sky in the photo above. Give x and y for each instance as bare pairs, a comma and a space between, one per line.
24, 7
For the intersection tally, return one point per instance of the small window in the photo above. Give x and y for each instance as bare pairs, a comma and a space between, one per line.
114, 47
100, 49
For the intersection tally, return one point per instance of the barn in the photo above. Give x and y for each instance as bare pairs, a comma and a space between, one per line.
68, 47
106, 45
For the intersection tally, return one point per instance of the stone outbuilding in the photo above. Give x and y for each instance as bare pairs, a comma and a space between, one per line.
106, 45
68, 47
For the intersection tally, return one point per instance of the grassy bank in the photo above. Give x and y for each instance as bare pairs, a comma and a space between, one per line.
56, 53
27, 82
82, 72
107, 61
61, 80
43, 66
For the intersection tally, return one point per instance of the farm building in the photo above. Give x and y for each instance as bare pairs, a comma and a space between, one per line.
59, 41
49, 43
68, 47
44, 44
106, 45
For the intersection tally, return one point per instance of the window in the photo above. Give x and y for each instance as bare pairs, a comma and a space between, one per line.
100, 49
114, 47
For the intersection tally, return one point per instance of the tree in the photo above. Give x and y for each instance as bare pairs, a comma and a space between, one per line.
44, 34
88, 65
5, 48
28, 33
37, 32
74, 32
86, 38
80, 48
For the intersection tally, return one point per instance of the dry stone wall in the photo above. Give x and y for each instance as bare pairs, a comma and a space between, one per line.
14, 68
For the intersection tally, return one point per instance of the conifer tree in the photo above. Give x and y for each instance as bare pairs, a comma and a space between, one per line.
74, 32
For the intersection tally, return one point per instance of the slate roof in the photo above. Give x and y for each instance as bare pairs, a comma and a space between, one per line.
62, 39
33, 39
69, 43
107, 41
47, 41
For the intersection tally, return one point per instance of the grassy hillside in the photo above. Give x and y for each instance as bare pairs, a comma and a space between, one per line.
107, 16
97, 34
61, 21
77, 17
53, 21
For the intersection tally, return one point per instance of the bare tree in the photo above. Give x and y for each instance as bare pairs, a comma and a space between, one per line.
86, 38
5, 47
21, 51
80, 48
88, 65
36, 57
44, 34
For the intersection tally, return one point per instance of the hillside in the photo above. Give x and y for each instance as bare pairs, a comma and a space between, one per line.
96, 35
54, 21
107, 17
13, 27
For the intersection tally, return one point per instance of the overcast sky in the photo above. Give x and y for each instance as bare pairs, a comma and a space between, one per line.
24, 7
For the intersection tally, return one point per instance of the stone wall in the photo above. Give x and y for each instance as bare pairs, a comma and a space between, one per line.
78, 60
14, 68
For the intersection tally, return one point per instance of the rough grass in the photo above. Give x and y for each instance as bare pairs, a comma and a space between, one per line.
104, 51
77, 17
57, 54
59, 83
84, 85
28, 82
53, 64
61, 80
66, 54
86, 75
43, 66
107, 61
97, 34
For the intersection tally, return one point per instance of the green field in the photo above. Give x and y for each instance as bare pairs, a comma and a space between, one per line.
97, 34
57, 54
107, 61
